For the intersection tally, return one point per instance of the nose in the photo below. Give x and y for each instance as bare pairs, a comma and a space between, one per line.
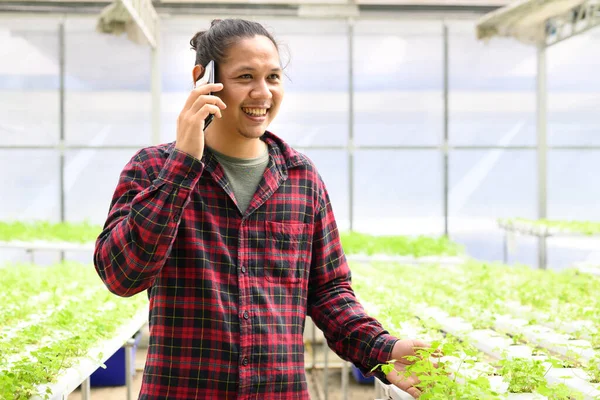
261, 90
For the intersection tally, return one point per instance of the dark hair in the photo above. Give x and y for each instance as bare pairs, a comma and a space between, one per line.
213, 43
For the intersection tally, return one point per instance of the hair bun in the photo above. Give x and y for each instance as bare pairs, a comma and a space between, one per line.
215, 22
195, 41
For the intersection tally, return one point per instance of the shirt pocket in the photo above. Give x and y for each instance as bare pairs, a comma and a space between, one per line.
286, 259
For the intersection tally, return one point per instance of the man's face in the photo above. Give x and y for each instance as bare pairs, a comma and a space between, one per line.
252, 87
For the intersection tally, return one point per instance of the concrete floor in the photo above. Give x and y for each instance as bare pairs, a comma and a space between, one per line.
315, 378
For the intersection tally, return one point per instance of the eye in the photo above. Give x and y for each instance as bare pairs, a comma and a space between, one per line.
274, 77
245, 76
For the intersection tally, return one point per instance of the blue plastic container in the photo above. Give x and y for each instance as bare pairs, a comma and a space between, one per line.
360, 378
114, 374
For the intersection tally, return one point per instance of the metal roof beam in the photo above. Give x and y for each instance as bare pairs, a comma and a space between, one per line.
574, 22
541, 22
136, 17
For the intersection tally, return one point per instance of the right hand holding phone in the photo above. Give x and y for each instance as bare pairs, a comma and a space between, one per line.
190, 123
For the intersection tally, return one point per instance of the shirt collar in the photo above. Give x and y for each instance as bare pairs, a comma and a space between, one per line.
282, 153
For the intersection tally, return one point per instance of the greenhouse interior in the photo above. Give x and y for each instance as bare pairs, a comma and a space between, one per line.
448, 144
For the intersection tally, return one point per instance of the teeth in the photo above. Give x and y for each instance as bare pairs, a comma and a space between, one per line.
257, 112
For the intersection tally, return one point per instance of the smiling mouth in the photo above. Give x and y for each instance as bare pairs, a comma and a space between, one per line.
255, 112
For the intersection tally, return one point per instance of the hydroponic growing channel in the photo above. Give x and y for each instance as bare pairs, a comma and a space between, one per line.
506, 332
58, 325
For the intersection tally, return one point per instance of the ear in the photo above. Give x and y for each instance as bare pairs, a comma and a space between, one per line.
197, 72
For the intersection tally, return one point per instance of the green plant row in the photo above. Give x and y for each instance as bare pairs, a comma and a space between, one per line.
22, 296
466, 303
353, 242
561, 295
461, 373
418, 246
41, 351
75, 310
392, 305
571, 226
477, 292
29, 313
76, 232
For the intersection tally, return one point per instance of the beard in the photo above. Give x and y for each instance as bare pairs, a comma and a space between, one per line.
251, 135
254, 133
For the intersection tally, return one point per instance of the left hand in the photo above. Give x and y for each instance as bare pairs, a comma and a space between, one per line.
402, 349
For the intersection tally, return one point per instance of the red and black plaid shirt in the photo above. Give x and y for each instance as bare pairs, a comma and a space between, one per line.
228, 292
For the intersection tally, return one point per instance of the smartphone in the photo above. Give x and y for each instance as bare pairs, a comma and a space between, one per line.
208, 77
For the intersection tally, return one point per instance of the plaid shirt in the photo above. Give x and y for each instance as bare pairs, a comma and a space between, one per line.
228, 292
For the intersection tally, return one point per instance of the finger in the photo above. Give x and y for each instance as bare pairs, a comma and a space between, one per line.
200, 90
402, 381
438, 353
207, 99
207, 88
208, 109
407, 384
414, 392
419, 344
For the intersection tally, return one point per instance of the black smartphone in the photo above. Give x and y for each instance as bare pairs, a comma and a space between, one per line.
208, 77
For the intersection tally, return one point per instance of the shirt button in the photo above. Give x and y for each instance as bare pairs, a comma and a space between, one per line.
245, 361
243, 269
246, 315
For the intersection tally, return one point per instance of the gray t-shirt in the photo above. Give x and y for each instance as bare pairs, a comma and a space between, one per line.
244, 175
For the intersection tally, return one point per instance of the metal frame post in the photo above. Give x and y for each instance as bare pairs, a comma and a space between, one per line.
446, 126
61, 122
326, 371
313, 346
350, 148
542, 147
505, 248
128, 366
86, 391
156, 86
61, 116
345, 380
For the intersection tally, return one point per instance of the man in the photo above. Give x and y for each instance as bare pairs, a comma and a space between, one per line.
232, 233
